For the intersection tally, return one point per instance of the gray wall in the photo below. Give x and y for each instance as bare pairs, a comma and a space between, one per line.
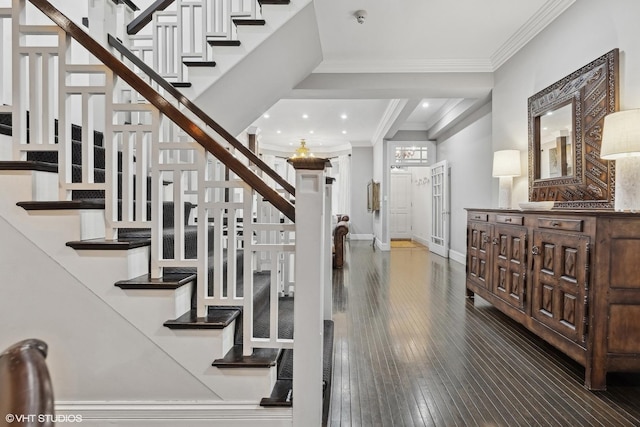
585, 31
468, 151
361, 173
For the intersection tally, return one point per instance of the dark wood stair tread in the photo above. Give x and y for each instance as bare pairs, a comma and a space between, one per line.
167, 281
217, 318
56, 205
274, 1
261, 358
281, 395
215, 42
28, 165
180, 84
124, 243
243, 21
199, 63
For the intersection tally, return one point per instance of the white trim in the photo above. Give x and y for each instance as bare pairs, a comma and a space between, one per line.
406, 66
394, 108
353, 236
382, 246
547, 13
423, 242
171, 410
457, 257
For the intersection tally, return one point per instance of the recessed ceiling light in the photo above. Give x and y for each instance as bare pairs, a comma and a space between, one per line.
343, 117
266, 115
344, 132
310, 131
305, 116
278, 131
291, 143
425, 105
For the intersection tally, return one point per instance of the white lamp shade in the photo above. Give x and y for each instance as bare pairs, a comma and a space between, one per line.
506, 163
621, 135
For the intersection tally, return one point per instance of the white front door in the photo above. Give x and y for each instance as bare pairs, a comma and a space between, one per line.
400, 205
439, 241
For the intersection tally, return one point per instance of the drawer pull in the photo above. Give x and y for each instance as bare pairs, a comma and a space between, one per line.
555, 224
535, 250
495, 240
507, 219
485, 239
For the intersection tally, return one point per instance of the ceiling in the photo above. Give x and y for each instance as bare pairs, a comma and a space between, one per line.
405, 68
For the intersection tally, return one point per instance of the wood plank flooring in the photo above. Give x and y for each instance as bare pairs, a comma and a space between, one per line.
411, 350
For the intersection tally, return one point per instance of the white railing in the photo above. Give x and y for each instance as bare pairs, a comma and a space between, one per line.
182, 33
239, 234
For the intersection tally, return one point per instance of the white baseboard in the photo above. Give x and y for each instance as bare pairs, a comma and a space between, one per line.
172, 413
368, 237
457, 257
382, 246
420, 240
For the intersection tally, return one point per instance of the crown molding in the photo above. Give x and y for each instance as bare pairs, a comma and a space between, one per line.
405, 66
547, 13
541, 19
388, 118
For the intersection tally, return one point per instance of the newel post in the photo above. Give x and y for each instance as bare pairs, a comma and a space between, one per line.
310, 271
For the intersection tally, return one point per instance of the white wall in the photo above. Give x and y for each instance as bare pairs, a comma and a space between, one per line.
421, 199
468, 151
380, 175
94, 353
361, 223
587, 30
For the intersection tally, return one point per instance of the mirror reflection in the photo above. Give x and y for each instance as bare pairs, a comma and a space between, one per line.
556, 143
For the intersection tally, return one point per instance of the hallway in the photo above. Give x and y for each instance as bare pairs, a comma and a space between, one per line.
410, 350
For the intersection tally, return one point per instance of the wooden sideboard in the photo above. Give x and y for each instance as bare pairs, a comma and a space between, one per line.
571, 277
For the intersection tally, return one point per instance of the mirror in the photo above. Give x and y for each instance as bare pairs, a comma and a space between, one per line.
556, 142
565, 129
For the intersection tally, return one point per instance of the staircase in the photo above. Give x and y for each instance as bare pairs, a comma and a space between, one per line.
166, 222
219, 60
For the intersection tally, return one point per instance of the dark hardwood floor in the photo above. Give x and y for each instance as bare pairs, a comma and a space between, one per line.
411, 350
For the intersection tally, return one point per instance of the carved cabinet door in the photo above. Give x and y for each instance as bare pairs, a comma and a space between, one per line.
479, 244
560, 282
509, 264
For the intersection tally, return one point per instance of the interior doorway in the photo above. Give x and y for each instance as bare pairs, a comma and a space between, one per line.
410, 204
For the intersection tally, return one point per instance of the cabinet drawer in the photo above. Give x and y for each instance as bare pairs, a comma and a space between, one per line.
560, 224
510, 219
479, 217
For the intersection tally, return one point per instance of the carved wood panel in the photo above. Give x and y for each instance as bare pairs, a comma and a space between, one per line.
593, 92
560, 275
477, 253
509, 264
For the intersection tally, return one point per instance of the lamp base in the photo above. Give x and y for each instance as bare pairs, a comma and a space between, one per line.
504, 192
627, 196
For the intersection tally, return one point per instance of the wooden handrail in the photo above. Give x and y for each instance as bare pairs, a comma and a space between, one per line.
145, 17
168, 87
169, 110
25, 384
129, 3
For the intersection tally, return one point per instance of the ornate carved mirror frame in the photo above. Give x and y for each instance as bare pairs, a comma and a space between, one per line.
593, 92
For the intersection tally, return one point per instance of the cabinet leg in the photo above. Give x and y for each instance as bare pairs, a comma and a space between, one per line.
469, 293
595, 378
